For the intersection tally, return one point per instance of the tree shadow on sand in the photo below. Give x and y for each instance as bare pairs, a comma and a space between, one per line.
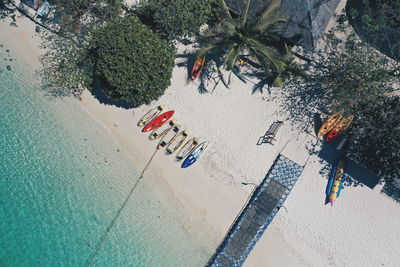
98, 92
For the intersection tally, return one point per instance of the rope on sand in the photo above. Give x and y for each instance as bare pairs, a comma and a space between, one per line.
103, 237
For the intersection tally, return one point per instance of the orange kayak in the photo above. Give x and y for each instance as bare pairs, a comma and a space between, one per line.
198, 67
330, 123
340, 126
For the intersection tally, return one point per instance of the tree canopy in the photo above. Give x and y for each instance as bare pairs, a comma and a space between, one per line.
378, 23
133, 62
179, 18
348, 74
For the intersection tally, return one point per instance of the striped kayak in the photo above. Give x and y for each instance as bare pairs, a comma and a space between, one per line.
152, 113
169, 136
187, 148
162, 130
177, 141
195, 155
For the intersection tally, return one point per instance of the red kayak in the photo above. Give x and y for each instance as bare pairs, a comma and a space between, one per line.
332, 135
158, 121
198, 67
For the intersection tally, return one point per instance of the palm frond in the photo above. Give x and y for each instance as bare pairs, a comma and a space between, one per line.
217, 44
229, 28
261, 26
232, 56
270, 12
245, 13
269, 53
225, 9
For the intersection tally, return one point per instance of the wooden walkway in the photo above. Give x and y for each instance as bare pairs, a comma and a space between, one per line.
258, 214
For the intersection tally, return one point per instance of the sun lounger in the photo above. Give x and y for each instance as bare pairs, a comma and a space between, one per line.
269, 136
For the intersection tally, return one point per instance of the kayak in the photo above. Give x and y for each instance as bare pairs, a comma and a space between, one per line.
162, 130
337, 184
195, 155
177, 141
198, 67
169, 136
152, 113
341, 126
187, 148
158, 121
330, 123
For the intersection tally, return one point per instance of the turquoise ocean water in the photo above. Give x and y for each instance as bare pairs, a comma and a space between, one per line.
62, 180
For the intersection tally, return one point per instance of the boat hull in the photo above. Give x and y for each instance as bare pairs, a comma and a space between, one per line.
158, 121
195, 155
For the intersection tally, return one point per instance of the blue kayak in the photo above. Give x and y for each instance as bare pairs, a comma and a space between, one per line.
195, 155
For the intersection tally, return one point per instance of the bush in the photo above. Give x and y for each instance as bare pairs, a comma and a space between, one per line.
179, 18
135, 64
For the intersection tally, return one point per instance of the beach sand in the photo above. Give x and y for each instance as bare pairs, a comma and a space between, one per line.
362, 228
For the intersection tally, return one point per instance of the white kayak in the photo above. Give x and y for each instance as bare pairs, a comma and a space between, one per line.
152, 113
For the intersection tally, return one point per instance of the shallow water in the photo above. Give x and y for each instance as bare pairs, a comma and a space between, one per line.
62, 180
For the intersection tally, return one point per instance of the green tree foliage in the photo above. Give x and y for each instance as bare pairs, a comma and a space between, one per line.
135, 64
349, 74
376, 137
377, 22
179, 18
235, 37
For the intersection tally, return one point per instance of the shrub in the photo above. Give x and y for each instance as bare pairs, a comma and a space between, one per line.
134, 63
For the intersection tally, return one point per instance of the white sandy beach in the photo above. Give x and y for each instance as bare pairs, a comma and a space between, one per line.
362, 229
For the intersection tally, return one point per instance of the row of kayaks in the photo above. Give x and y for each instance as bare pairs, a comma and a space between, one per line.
335, 125
172, 136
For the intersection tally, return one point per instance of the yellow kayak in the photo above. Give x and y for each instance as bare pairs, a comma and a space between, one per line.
330, 123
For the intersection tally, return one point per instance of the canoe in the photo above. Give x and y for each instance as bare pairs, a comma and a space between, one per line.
187, 148
152, 113
169, 136
330, 123
158, 121
162, 130
337, 184
177, 141
198, 67
341, 126
195, 155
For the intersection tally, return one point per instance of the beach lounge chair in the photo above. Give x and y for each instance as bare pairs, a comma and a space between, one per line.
269, 136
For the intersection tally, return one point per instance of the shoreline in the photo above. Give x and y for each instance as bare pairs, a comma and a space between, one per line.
209, 195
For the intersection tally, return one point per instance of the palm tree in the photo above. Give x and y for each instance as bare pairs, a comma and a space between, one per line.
236, 37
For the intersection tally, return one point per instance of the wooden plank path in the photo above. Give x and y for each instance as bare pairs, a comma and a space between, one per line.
258, 213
